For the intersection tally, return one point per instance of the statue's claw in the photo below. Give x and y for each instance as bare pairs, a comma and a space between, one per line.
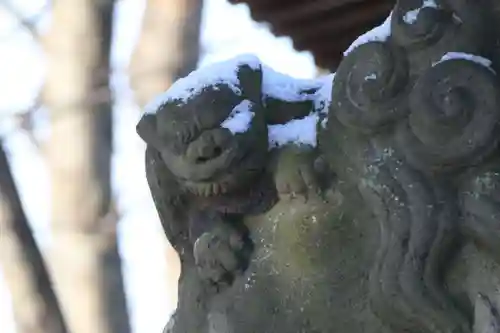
294, 174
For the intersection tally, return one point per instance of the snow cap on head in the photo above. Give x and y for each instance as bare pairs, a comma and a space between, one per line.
247, 85
241, 74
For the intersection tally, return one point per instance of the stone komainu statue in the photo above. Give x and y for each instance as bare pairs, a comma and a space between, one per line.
401, 233
209, 166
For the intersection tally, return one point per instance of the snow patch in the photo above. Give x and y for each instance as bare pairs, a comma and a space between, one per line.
297, 131
370, 77
466, 56
276, 85
225, 72
323, 96
240, 118
304, 131
378, 34
411, 16
324, 123
287, 88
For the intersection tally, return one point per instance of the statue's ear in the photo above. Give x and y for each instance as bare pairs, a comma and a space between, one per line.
250, 77
146, 129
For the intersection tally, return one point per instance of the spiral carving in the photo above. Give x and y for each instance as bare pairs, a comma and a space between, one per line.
416, 233
480, 203
430, 28
440, 180
370, 87
419, 22
454, 119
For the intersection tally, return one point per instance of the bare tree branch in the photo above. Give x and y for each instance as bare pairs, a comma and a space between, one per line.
36, 308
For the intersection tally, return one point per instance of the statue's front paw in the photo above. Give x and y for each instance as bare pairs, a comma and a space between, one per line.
220, 255
294, 174
292, 186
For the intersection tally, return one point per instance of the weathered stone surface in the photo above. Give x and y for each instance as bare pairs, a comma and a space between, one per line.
415, 129
391, 225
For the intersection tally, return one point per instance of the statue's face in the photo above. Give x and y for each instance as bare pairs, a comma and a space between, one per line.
215, 143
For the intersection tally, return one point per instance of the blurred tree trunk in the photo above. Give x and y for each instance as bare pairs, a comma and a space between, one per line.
36, 309
168, 48
85, 259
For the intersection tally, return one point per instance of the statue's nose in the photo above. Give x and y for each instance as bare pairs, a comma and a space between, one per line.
209, 145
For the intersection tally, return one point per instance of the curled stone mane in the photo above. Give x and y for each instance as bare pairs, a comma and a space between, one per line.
417, 135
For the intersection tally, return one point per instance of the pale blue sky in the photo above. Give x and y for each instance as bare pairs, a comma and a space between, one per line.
226, 31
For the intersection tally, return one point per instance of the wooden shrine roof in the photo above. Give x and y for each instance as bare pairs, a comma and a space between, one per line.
324, 27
